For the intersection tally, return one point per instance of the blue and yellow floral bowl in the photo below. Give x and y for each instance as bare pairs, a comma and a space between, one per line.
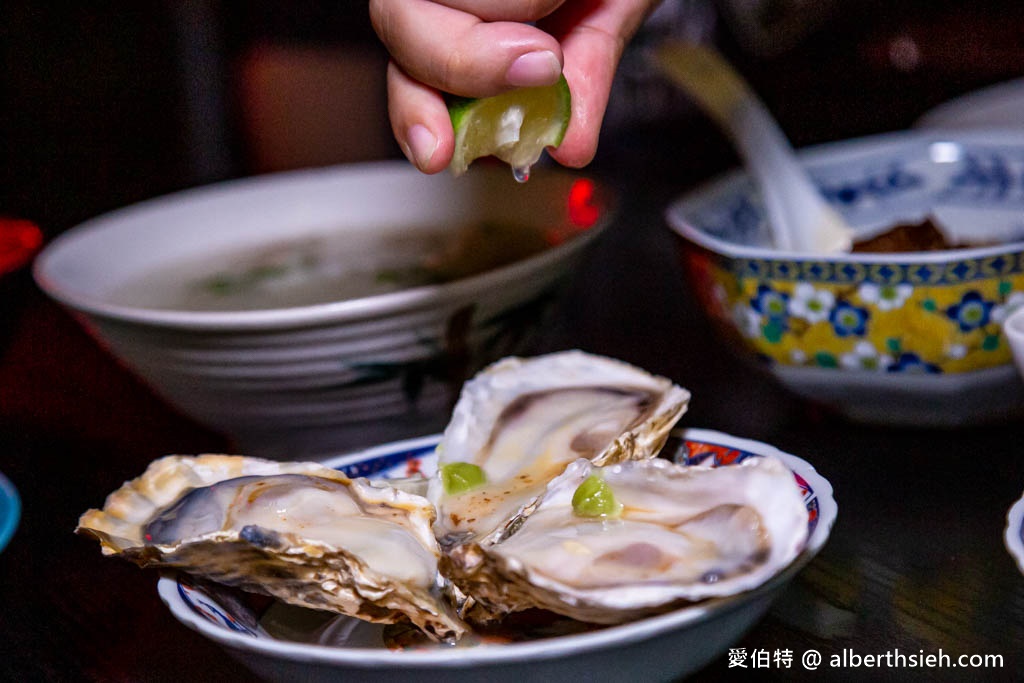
900, 338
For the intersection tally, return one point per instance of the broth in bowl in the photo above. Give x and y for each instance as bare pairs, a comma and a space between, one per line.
321, 269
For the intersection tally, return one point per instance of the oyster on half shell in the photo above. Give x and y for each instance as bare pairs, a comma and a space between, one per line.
301, 532
520, 421
611, 544
517, 425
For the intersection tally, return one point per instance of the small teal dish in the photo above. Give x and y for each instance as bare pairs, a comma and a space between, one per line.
10, 510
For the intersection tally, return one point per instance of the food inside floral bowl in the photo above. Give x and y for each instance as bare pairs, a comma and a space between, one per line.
326, 309
539, 536
906, 329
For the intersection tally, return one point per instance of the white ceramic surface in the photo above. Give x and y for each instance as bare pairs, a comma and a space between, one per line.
907, 372
996, 106
309, 380
1014, 534
660, 648
1013, 328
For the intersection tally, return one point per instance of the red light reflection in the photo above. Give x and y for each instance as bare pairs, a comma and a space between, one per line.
19, 241
582, 210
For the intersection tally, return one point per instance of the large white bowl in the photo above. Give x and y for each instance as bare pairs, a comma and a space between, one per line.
995, 106
908, 339
310, 380
660, 648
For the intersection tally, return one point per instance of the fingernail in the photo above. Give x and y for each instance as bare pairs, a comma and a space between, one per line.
420, 143
534, 69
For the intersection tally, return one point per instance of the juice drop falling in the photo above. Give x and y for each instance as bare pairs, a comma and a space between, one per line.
521, 173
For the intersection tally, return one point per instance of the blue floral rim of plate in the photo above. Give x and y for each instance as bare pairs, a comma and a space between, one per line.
10, 510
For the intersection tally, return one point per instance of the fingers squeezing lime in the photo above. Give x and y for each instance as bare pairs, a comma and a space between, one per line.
515, 126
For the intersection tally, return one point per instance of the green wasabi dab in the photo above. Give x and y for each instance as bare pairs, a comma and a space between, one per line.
459, 477
594, 498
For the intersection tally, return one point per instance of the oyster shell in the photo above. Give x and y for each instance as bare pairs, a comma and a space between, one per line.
675, 534
301, 532
520, 421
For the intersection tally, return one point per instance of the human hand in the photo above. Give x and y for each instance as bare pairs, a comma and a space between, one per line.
478, 48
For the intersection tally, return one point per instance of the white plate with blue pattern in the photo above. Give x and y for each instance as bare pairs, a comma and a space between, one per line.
663, 647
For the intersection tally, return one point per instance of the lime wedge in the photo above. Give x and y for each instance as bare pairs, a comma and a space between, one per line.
515, 126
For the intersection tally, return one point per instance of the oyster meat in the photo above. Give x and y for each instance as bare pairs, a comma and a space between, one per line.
301, 532
611, 544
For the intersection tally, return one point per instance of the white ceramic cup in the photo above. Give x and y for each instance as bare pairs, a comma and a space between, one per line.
1013, 328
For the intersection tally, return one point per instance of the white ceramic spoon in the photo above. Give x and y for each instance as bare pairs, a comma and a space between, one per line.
799, 217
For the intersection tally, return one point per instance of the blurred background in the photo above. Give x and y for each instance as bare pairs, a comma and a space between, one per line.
110, 103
